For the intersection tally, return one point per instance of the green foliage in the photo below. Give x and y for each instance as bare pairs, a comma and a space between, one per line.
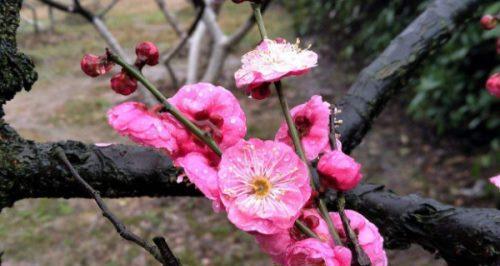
450, 94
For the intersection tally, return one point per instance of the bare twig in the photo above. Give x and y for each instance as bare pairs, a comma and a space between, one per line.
169, 17
106, 212
185, 36
181, 43
34, 21
165, 251
51, 18
108, 8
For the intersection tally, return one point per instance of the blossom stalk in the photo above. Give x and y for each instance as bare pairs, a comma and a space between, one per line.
203, 136
361, 256
260, 21
331, 227
306, 230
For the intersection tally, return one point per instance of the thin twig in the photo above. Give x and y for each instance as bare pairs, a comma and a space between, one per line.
106, 212
181, 43
362, 258
353, 243
169, 17
331, 228
108, 8
238, 35
332, 136
165, 251
185, 36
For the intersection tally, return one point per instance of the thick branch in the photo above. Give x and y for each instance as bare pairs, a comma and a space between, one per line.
29, 170
462, 236
389, 73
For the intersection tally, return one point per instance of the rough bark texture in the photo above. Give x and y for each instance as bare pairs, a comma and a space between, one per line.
16, 69
462, 236
30, 170
389, 73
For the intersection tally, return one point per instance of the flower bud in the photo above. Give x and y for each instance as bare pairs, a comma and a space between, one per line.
94, 65
339, 171
261, 92
488, 22
147, 53
493, 85
123, 83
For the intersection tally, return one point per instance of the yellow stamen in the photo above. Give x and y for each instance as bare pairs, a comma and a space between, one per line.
261, 186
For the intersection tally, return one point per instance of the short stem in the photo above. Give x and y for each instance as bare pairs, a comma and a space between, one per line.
332, 137
294, 134
331, 228
361, 256
170, 108
306, 230
260, 21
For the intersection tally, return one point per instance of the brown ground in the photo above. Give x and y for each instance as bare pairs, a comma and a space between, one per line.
64, 104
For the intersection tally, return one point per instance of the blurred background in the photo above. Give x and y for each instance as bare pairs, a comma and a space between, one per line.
439, 137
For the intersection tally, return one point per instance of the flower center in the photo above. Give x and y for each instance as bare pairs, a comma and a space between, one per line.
303, 125
261, 186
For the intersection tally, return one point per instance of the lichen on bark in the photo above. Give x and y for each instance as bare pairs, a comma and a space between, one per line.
16, 69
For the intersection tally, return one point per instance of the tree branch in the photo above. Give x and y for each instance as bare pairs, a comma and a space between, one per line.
117, 224
462, 236
389, 73
169, 17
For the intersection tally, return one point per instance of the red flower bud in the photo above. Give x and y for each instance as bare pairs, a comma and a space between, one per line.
94, 65
493, 85
123, 83
488, 22
147, 53
261, 92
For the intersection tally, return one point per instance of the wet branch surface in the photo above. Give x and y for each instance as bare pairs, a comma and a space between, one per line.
462, 236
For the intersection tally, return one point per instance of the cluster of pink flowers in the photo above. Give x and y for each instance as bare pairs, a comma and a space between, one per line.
262, 185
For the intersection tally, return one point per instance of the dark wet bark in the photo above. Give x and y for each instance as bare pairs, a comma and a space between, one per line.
463, 236
389, 73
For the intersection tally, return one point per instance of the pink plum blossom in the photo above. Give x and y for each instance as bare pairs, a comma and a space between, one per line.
271, 61
493, 85
203, 173
310, 252
312, 120
339, 171
276, 245
213, 109
368, 236
146, 127
263, 185
495, 180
